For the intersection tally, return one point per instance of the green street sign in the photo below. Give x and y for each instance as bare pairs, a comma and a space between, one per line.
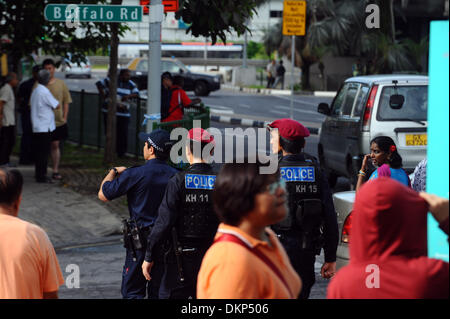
92, 13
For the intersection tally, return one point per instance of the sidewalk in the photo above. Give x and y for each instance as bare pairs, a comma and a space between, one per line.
83, 232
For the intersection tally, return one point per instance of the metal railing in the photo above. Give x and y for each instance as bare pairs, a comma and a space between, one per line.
86, 121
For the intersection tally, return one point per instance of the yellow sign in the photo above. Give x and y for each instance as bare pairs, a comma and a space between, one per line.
294, 17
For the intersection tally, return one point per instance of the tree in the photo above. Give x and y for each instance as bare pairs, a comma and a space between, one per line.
215, 18
24, 25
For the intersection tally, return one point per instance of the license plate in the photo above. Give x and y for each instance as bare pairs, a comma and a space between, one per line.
416, 140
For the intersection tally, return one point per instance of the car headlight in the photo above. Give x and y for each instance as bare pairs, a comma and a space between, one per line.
217, 79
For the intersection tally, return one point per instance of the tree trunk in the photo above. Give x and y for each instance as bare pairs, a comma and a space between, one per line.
387, 22
306, 85
110, 145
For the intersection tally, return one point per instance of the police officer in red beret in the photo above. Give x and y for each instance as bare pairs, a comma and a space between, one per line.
311, 223
187, 218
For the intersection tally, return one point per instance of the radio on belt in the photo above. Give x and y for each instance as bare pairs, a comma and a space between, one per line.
195, 181
298, 174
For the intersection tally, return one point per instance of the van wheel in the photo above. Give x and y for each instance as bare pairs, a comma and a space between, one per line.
201, 89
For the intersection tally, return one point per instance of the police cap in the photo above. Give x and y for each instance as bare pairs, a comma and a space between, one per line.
289, 129
159, 139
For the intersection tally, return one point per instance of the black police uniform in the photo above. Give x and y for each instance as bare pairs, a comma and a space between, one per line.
185, 218
311, 223
144, 186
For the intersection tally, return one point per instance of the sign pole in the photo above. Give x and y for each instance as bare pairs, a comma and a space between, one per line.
156, 15
292, 76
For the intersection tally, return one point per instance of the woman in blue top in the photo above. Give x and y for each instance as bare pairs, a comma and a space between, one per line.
384, 156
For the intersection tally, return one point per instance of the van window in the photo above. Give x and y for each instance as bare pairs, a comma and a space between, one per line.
360, 101
338, 101
347, 106
415, 106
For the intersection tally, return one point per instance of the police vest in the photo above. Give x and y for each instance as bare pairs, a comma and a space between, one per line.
197, 219
304, 200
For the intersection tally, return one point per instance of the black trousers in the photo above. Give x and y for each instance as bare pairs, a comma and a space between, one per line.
26, 153
7, 141
302, 260
41, 149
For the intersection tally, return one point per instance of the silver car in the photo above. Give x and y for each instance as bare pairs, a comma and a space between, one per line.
343, 204
369, 106
72, 68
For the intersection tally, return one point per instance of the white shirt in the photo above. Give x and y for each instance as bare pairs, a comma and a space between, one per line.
7, 96
42, 104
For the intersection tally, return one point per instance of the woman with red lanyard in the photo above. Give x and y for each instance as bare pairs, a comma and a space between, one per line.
178, 101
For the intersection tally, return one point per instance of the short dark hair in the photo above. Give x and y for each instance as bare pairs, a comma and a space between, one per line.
191, 145
48, 62
161, 155
235, 189
385, 143
294, 146
178, 80
123, 71
11, 182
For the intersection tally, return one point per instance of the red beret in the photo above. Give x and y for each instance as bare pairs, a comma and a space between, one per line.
290, 129
200, 135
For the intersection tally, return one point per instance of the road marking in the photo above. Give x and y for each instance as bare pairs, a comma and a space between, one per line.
278, 112
245, 105
297, 101
219, 111
287, 108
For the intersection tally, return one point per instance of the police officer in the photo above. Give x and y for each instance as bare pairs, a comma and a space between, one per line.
144, 186
187, 218
311, 223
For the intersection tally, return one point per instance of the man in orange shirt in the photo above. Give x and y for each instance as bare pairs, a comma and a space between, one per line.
29, 268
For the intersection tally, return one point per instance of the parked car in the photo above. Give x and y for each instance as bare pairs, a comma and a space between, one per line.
343, 204
369, 106
201, 84
70, 67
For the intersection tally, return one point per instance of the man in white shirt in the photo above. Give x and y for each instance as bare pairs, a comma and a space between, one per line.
43, 123
7, 118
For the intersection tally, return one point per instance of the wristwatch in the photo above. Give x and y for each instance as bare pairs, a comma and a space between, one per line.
116, 172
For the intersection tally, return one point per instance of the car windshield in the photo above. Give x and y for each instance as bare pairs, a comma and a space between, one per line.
415, 107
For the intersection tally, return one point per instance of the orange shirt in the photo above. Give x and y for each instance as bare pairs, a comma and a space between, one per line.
230, 271
28, 263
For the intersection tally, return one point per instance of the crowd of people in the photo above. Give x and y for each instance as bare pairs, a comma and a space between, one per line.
44, 109
213, 231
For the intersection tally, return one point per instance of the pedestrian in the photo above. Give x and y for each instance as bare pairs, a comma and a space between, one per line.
311, 223
43, 124
7, 118
185, 217
60, 92
144, 187
419, 182
247, 260
126, 91
166, 94
389, 255
384, 155
23, 96
357, 68
280, 75
271, 70
179, 101
29, 268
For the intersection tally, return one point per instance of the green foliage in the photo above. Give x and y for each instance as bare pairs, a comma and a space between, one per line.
215, 18
24, 24
256, 51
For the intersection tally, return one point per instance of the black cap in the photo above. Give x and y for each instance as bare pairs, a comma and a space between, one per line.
159, 139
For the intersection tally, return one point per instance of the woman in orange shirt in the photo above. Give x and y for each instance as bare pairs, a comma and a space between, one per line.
246, 259
178, 101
